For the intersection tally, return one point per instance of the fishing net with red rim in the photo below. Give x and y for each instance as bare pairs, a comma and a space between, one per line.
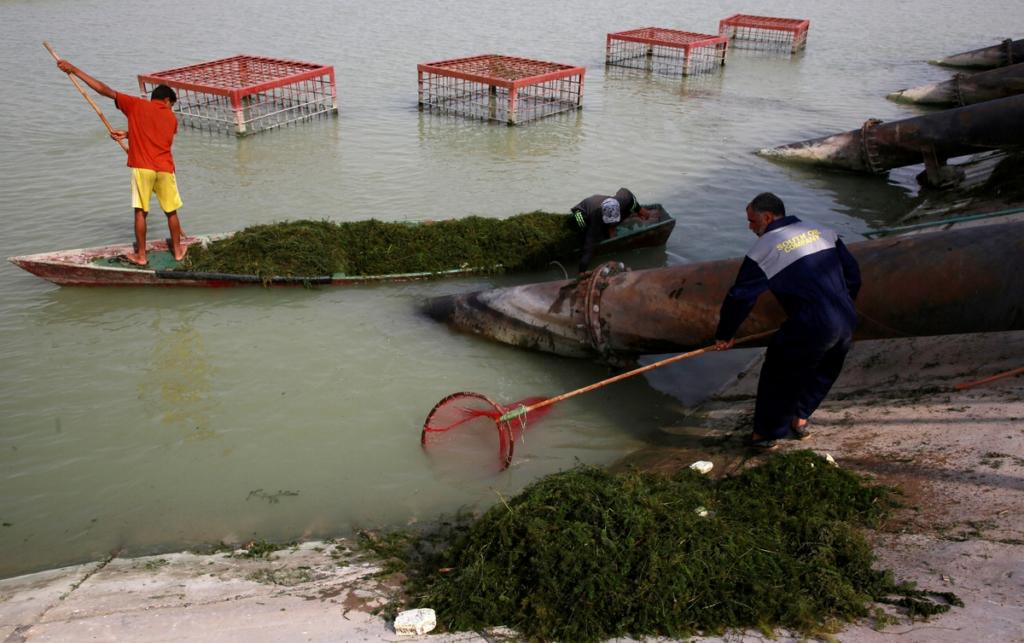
469, 424
466, 427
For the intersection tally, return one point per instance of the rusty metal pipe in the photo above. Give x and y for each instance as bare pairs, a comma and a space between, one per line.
1007, 52
967, 89
937, 283
933, 138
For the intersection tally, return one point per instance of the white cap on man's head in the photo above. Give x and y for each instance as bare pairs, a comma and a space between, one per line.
610, 212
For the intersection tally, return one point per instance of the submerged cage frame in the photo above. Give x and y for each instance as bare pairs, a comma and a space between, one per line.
765, 32
500, 88
246, 94
662, 50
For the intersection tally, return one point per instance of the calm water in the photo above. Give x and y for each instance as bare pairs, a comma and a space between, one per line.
157, 419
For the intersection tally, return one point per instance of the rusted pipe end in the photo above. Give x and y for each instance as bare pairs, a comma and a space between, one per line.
440, 308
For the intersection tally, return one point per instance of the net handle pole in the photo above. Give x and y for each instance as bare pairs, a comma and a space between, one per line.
966, 385
637, 371
86, 96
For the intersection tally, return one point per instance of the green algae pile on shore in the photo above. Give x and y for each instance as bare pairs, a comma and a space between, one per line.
315, 248
586, 555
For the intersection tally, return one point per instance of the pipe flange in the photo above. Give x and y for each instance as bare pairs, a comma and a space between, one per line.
958, 94
588, 298
869, 146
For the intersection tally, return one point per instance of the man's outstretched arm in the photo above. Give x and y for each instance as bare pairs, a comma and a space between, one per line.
97, 86
750, 283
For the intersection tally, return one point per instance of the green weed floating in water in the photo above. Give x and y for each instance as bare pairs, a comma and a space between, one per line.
586, 555
317, 248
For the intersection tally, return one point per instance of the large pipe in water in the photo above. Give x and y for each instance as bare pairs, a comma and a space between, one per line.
1007, 52
936, 283
967, 89
933, 138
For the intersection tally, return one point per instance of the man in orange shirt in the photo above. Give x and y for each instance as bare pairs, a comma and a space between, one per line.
151, 128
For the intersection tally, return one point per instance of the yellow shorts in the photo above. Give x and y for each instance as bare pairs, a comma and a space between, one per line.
146, 182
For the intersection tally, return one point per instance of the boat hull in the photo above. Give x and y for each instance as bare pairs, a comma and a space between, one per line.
79, 267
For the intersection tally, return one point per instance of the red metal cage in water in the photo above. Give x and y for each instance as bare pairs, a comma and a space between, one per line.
764, 32
500, 88
247, 94
666, 50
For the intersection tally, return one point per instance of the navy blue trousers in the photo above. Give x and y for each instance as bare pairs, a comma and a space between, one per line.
796, 376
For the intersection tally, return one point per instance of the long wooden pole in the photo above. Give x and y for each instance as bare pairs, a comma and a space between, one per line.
966, 385
86, 96
522, 410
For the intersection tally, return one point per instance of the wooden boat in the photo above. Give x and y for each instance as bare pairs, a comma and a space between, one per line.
106, 266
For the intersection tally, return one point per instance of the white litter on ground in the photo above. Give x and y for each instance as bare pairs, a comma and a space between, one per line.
702, 466
415, 622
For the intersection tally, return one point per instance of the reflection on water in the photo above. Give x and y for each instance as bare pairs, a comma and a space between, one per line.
739, 51
647, 82
286, 148
448, 134
875, 200
177, 380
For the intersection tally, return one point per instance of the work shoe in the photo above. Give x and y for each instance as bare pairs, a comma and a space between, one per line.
799, 432
760, 444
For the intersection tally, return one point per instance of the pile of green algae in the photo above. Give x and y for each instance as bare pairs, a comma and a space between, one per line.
307, 248
587, 555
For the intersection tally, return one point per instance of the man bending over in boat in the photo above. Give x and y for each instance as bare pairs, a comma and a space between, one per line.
151, 126
598, 217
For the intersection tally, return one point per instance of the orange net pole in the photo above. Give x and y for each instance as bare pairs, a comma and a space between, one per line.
86, 96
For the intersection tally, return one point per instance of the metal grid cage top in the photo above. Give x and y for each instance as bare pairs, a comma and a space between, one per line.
765, 32
247, 94
666, 50
500, 88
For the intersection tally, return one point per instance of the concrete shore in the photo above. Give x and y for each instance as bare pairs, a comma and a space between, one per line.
957, 456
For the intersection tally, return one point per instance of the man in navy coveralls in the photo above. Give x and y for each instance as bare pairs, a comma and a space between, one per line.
815, 279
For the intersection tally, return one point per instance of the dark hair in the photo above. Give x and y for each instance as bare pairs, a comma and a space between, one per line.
627, 201
768, 202
163, 91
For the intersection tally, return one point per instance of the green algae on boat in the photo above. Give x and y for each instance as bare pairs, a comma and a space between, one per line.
315, 248
586, 555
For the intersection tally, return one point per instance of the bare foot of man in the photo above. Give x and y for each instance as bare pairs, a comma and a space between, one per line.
179, 253
137, 259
